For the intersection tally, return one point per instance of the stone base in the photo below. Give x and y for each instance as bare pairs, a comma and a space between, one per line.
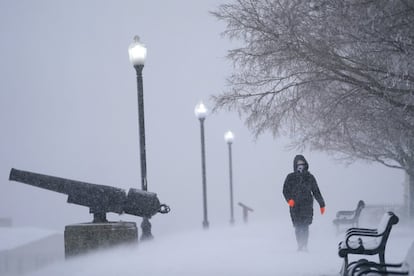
84, 237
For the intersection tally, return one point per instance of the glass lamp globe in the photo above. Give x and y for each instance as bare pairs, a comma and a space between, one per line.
200, 110
137, 52
229, 137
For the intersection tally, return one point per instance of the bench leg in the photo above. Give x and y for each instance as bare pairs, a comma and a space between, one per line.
344, 269
381, 257
382, 261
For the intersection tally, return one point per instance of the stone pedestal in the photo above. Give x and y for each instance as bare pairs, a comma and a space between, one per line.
84, 237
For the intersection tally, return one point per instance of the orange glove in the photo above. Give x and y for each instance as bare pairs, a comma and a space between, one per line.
322, 210
291, 202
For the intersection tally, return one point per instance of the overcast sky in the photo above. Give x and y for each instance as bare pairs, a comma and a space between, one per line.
68, 108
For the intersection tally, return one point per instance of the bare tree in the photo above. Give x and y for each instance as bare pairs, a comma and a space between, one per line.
337, 75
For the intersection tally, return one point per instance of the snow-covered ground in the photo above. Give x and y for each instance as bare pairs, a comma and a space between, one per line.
265, 248
17, 237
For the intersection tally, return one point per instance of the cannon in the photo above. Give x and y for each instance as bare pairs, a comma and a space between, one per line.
100, 199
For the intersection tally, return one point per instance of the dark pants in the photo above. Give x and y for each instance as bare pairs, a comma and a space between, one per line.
302, 234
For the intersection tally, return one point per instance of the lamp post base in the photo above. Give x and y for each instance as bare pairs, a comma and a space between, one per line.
205, 224
146, 230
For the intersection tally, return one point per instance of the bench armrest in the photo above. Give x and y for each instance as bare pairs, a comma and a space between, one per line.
359, 235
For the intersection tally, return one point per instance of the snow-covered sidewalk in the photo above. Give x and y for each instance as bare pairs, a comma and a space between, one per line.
267, 248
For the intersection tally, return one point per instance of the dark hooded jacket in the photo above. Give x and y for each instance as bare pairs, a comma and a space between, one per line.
302, 188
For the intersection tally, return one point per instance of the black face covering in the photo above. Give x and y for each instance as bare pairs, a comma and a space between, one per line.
300, 168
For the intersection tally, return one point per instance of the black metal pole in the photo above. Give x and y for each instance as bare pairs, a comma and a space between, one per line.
145, 225
231, 186
203, 168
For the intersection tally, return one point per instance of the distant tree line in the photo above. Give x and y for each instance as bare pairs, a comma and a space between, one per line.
336, 75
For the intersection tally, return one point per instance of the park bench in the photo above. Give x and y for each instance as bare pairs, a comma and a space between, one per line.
365, 241
365, 267
349, 218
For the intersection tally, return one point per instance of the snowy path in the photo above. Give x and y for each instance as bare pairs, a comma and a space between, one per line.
254, 249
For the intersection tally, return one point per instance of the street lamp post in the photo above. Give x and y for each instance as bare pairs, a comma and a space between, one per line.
229, 138
137, 54
201, 113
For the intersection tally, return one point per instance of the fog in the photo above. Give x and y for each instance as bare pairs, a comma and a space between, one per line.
263, 248
68, 108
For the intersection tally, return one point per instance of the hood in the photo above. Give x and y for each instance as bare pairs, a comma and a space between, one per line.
296, 159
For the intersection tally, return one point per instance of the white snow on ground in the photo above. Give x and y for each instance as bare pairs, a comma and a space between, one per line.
267, 248
20, 236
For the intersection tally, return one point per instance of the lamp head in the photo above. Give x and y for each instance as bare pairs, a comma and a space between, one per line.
229, 137
137, 52
200, 110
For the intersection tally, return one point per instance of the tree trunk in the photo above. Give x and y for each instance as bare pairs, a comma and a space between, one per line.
411, 196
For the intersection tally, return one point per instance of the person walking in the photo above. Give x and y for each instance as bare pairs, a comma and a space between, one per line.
299, 190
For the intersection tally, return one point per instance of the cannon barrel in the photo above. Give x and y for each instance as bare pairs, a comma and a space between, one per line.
47, 182
99, 198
